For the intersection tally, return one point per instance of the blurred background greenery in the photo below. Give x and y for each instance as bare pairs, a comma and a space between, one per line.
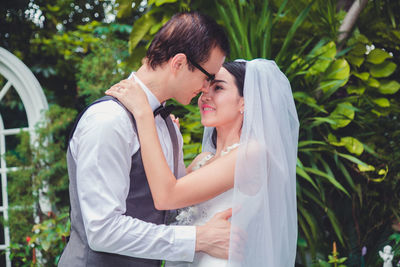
345, 87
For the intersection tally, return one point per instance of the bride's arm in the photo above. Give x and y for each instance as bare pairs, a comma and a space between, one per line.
197, 186
168, 192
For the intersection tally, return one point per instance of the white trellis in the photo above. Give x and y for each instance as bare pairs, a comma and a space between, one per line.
19, 77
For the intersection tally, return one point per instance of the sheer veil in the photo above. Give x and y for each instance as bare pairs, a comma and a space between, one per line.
264, 220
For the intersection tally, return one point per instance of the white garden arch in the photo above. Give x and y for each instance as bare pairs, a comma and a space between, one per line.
18, 77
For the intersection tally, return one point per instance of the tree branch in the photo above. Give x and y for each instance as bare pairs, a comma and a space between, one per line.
350, 19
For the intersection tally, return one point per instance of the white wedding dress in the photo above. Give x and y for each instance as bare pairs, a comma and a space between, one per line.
200, 214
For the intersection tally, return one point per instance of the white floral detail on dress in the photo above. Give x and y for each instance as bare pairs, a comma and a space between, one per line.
202, 162
188, 215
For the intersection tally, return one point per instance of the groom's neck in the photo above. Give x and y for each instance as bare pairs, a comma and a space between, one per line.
155, 80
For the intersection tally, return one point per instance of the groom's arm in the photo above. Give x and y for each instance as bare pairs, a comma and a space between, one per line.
213, 237
102, 146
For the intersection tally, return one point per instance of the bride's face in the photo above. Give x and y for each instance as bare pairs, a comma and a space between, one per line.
221, 104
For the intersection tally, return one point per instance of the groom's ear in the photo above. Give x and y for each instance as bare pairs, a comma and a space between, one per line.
177, 62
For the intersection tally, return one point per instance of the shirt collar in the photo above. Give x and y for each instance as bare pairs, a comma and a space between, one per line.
153, 101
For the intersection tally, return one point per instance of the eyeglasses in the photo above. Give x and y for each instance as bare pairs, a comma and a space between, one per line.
210, 77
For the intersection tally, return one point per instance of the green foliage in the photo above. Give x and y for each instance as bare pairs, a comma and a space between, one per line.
41, 171
48, 36
377, 127
101, 69
49, 236
333, 260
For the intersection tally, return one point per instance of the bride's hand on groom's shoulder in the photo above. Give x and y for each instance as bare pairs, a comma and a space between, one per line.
132, 96
175, 120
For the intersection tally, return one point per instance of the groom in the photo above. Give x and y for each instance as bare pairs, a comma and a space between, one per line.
113, 218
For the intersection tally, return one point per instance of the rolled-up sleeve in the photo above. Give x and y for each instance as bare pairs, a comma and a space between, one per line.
102, 146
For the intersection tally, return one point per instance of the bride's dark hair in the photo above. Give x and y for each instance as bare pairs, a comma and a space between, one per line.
238, 70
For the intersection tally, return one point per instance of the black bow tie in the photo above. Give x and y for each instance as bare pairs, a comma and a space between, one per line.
163, 111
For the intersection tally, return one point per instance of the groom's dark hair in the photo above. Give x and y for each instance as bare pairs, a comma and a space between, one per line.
191, 33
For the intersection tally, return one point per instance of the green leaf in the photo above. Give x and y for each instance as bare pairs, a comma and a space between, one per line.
355, 60
333, 140
377, 113
45, 245
336, 75
161, 2
382, 102
301, 242
345, 173
304, 228
140, 29
289, 36
186, 138
338, 70
330, 178
322, 263
377, 56
389, 87
310, 221
367, 168
154, 29
54, 8
352, 159
342, 115
303, 97
325, 55
382, 172
320, 120
362, 39
335, 224
353, 89
331, 259
383, 70
310, 142
352, 145
363, 76
305, 175
373, 82
359, 49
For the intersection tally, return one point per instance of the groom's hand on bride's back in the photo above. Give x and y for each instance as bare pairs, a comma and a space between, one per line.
213, 237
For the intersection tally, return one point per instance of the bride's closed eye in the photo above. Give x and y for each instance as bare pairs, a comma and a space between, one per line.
218, 87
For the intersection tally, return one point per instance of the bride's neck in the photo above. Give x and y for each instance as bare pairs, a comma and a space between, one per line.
226, 136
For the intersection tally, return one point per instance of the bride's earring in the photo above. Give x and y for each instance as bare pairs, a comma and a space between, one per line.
241, 112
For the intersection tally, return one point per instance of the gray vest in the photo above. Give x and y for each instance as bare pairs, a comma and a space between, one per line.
139, 204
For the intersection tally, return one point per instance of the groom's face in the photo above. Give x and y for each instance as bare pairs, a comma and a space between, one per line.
194, 82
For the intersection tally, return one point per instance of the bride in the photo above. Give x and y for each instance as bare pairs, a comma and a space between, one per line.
248, 163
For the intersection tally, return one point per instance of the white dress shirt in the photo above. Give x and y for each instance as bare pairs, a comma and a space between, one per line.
102, 146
